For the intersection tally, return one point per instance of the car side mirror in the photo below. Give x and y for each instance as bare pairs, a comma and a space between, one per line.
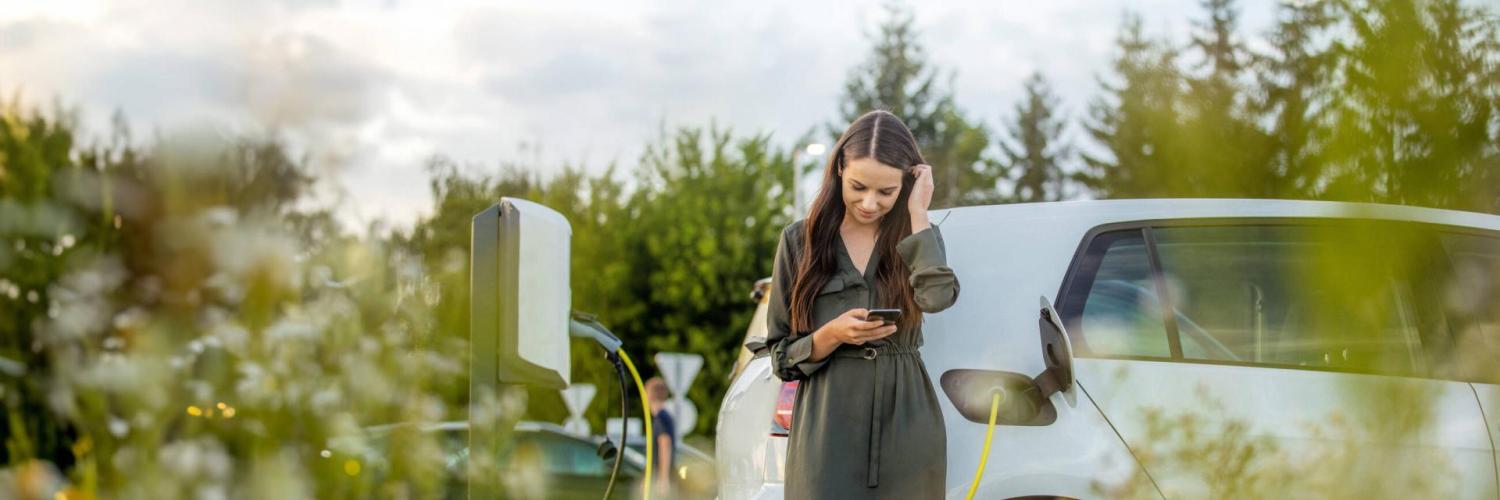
1057, 352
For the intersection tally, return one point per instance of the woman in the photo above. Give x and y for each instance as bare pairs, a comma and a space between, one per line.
866, 423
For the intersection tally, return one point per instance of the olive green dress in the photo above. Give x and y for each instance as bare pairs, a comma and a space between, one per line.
866, 422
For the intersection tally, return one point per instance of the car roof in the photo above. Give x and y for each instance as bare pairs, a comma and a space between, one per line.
1099, 212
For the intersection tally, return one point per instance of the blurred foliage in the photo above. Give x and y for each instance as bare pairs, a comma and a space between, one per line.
1367, 452
1394, 101
173, 328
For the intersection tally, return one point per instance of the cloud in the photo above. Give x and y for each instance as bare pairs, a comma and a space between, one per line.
27, 34
370, 88
599, 81
176, 87
303, 79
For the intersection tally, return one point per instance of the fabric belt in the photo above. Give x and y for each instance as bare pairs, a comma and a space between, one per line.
874, 354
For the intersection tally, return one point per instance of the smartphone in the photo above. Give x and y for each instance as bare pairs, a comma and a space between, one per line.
889, 316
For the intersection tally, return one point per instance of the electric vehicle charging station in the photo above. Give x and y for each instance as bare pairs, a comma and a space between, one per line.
520, 322
519, 306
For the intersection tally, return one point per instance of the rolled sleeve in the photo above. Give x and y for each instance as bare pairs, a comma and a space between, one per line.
934, 285
790, 353
794, 357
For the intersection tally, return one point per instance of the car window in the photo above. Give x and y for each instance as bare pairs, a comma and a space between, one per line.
1292, 295
555, 454
1120, 314
1472, 301
564, 455
1339, 294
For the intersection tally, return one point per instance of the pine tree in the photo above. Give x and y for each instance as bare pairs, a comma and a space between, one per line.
1484, 182
898, 78
1464, 117
1417, 110
1136, 123
1228, 155
1295, 90
1034, 150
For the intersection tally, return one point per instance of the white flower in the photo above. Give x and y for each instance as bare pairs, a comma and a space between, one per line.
118, 426
291, 329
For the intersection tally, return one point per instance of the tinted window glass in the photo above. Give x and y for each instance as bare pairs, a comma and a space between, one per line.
1472, 299
1314, 296
1120, 311
571, 456
553, 454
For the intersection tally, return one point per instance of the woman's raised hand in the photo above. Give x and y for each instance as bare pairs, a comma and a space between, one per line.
921, 197
851, 328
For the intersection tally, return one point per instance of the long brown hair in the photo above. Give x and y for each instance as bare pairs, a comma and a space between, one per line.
881, 135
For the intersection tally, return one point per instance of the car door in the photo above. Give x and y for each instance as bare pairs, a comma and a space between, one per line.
1295, 360
562, 466
1472, 295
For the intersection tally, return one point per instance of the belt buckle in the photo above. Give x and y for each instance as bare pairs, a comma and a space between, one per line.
871, 353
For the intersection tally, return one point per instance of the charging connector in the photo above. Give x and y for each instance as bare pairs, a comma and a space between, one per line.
585, 325
997, 395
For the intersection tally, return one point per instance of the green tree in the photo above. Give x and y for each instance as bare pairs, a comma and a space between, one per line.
1295, 90
1035, 149
1137, 123
1415, 120
898, 78
706, 222
1226, 152
35, 161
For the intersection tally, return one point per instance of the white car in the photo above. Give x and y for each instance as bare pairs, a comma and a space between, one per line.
1314, 349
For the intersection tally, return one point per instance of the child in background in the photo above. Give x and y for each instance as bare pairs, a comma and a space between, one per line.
663, 436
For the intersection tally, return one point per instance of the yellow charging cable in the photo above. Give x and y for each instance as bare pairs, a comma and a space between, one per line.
646, 409
988, 436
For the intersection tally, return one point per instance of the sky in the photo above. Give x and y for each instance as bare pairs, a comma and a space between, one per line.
370, 90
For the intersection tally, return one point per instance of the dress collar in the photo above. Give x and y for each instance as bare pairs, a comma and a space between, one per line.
846, 264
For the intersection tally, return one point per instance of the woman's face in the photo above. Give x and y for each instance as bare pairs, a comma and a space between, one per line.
870, 189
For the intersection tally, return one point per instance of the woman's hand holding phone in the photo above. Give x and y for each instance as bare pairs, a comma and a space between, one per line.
851, 328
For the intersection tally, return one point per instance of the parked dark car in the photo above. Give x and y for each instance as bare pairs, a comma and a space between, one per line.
540, 459
696, 474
